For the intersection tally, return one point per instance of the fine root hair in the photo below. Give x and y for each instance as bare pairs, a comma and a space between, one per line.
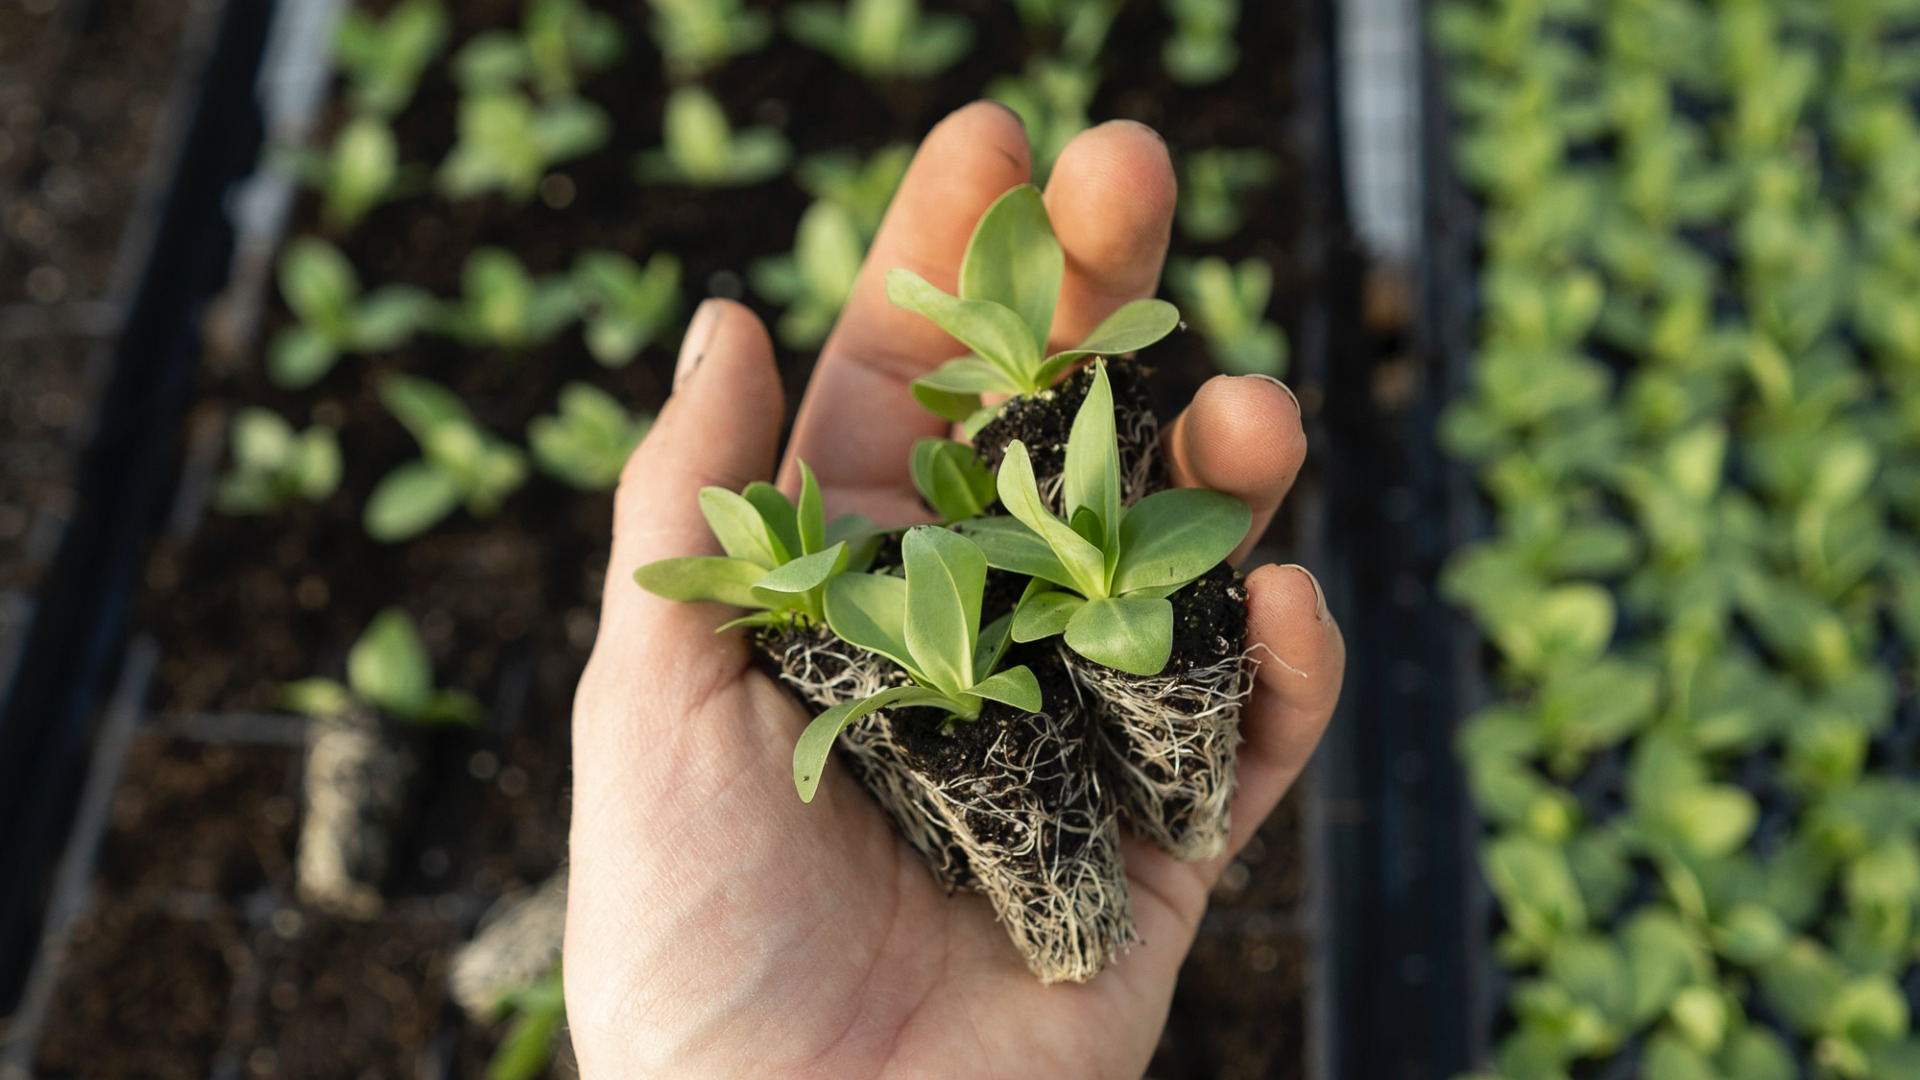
1168, 747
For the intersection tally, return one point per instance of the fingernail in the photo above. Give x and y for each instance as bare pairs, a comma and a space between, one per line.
693, 347
1319, 595
1295, 398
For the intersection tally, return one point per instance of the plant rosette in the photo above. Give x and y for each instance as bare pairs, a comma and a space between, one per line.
996, 756
1010, 282
1151, 621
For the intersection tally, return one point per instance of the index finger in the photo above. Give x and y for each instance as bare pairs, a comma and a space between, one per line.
859, 421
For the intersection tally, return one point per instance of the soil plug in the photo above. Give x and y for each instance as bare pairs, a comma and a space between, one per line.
1103, 575
1009, 286
358, 768
517, 945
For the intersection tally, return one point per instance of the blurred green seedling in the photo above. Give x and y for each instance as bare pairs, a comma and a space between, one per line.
387, 670
538, 1011
559, 41
697, 35
779, 555
360, 172
952, 479
503, 306
381, 60
460, 464
626, 307
882, 39
507, 142
1102, 575
1051, 96
274, 465
1009, 284
1228, 305
863, 188
814, 281
703, 150
588, 442
1202, 49
929, 623
336, 317
1213, 186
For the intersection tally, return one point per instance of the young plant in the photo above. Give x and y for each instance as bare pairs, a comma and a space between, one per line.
387, 670
779, 556
588, 443
1214, 183
1229, 306
1009, 283
952, 479
697, 35
505, 307
1102, 576
929, 624
320, 285
507, 142
815, 280
702, 149
382, 60
863, 189
559, 41
539, 1011
460, 464
882, 39
1202, 49
273, 464
361, 171
626, 308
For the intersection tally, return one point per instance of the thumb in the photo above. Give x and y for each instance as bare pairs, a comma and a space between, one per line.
721, 427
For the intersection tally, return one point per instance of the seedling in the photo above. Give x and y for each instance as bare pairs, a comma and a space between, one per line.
863, 189
362, 171
882, 39
1213, 186
626, 308
1051, 97
1229, 306
539, 1011
507, 143
929, 624
588, 443
952, 479
320, 285
460, 464
382, 59
387, 670
702, 149
698, 35
273, 465
814, 282
504, 306
1202, 49
779, 555
1103, 575
559, 41
1009, 283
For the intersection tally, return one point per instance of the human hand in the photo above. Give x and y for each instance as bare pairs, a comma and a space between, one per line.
716, 925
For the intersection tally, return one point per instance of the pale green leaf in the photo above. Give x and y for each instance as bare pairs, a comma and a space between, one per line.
989, 329
1135, 326
811, 517
408, 501
1045, 615
702, 577
951, 478
806, 573
388, 667
1173, 537
1131, 634
1014, 260
1015, 686
946, 575
1020, 494
1092, 473
816, 743
870, 610
743, 533
1011, 546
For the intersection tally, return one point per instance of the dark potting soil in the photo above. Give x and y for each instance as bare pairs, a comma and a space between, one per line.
144, 995
345, 1000
202, 817
1209, 620
44, 395
1042, 422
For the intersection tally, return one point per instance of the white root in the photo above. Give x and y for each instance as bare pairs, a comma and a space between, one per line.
356, 791
517, 945
1168, 747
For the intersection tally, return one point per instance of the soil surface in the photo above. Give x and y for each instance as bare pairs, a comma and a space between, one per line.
508, 606
1042, 423
202, 817
1209, 620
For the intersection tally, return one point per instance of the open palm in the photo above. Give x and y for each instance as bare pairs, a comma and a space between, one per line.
719, 927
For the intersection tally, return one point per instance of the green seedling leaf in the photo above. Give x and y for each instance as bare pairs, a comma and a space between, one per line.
382, 60
388, 666
990, 329
1092, 473
945, 577
702, 149
1129, 634
952, 479
882, 38
702, 577
1045, 615
1020, 494
317, 698
698, 35
742, 531
806, 573
299, 356
588, 443
1014, 260
273, 465
1172, 537
1011, 546
1015, 686
809, 512
777, 511
408, 501
816, 743
626, 308
870, 610
1135, 326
